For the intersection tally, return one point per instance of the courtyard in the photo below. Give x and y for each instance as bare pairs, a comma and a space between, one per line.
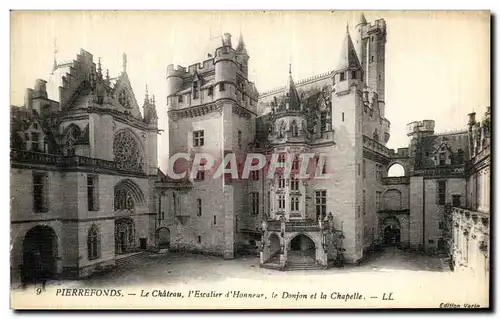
400, 278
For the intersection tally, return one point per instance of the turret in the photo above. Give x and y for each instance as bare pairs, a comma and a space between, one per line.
225, 69
175, 76
360, 25
348, 71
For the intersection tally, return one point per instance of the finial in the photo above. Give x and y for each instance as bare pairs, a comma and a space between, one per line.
290, 68
107, 75
124, 62
154, 100
99, 65
55, 55
147, 91
347, 27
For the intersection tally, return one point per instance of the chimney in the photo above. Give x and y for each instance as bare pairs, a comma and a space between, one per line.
226, 39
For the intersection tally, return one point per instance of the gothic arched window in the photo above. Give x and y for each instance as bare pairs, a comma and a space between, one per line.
93, 243
123, 200
282, 130
294, 128
73, 133
127, 152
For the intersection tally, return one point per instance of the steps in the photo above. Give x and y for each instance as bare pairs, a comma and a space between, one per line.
303, 266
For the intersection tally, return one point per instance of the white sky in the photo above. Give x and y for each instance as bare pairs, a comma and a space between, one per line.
437, 63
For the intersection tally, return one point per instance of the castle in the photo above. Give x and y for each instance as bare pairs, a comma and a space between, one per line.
100, 152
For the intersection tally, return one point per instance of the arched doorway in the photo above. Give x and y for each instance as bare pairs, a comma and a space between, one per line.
124, 236
163, 237
392, 231
301, 249
40, 252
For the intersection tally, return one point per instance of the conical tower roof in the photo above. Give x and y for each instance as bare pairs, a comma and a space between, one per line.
241, 48
361, 19
291, 93
348, 57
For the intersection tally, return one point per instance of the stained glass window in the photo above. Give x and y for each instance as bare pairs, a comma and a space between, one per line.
127, 152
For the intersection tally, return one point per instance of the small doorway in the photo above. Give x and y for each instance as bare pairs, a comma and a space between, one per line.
39, 253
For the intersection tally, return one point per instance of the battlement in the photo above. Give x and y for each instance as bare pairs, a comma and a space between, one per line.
299, 83
377, 24
401, 152
176, 70
425, 126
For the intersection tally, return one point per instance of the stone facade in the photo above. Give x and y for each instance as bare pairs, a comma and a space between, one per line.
83, 168
338, 114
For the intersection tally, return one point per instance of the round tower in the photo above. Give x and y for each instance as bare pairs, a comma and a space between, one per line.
175, 76
358, 40
225, 68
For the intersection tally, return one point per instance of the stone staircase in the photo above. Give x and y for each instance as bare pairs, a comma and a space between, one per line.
303, 265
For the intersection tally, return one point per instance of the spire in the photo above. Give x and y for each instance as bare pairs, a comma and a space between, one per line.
291, 94
146, 96
348, 57
55, 56
241, 45
124, 63
99, 68
361, 20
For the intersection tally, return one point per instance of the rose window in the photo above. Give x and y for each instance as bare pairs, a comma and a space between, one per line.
127, 153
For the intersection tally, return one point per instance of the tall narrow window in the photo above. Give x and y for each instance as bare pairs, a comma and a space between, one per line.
40, 192
294, 184
195, 90
180, 98
441, 192
215, 219
442, 158
281, 158
93, 243
295, 204
199, 239
342, 116
255, 203
211, 91
342, 76
239, 138
35, 142
320, 203
353, 75
281, 202
455, 200
199, 138
92, 193
198, 206
295, 163
295, 129
222, 87
254, 175
281, 182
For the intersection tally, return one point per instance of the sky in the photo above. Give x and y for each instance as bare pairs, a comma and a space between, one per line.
437, 63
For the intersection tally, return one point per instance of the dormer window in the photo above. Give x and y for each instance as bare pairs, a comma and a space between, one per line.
342, 76
353, 75
35, 143
442, 158
180, 98
210, 91
195, 89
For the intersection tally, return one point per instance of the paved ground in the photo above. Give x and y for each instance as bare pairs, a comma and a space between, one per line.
186, 268
414, 281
